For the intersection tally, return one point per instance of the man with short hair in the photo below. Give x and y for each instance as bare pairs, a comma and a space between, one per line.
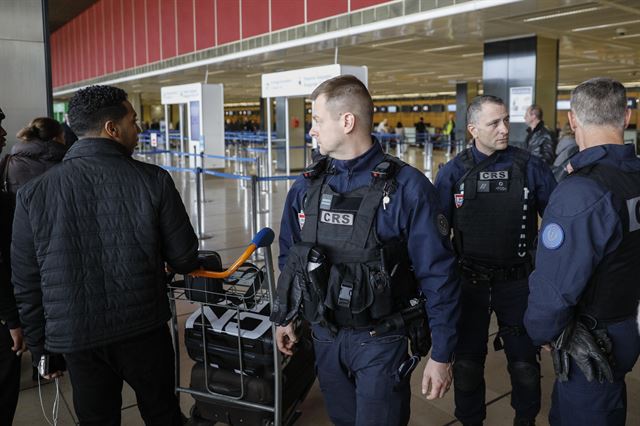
540, 142
373, 227
584, 290
492, 194
90, 241
11, 340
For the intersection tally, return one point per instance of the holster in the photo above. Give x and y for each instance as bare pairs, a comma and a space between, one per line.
414, 321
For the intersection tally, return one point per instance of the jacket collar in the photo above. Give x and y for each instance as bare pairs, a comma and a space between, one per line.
365, 162
539, 126
621, 156
39, 148
90, 147
479, 156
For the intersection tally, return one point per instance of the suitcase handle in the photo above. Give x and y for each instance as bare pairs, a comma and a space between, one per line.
263, 238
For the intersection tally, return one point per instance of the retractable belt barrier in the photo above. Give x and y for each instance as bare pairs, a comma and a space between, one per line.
199, 173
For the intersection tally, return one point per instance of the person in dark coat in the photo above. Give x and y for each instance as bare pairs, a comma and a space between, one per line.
539, 142
102, 225
69, 136
11, 339
41, 146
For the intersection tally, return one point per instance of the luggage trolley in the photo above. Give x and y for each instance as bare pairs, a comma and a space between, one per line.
232, 373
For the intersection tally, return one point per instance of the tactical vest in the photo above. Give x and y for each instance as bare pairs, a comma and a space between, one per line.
613, 290
494, 220
368, 279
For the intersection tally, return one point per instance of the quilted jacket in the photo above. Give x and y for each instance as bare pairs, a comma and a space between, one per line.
90, 239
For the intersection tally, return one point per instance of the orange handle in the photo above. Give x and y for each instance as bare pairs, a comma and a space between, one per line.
224, 274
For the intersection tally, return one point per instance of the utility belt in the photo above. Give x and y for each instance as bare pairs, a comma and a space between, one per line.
360, 292
480, 274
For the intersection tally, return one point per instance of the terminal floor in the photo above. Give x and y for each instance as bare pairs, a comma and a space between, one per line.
227, 224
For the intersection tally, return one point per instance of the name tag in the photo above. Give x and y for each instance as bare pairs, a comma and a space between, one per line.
333, 218
504, 174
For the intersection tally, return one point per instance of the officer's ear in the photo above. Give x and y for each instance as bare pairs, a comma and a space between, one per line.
627, 117
572, 121
348, 122
473, 130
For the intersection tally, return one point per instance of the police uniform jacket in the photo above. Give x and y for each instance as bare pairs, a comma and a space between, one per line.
413, 213
90, 238
580, 227
540, 180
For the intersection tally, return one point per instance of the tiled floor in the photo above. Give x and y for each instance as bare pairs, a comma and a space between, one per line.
227, 223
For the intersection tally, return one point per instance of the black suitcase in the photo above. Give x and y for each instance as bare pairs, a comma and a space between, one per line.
298, 377
222, 325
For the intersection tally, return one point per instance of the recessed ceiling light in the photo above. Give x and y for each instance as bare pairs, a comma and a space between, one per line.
439, 49
597, 27
390, 43
560, 14
469, 55
625, 36
450, 76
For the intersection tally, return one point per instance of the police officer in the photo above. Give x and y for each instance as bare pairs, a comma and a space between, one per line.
379, 227
586, 276
492, 194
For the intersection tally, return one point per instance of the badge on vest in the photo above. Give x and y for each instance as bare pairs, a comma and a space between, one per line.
552, 236
301, 218
334, 218
458, 200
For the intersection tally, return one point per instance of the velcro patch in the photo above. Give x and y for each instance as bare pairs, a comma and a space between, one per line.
334, 218
443, 225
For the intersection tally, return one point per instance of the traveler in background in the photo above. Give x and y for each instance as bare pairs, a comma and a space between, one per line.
566, 148
421, 132
382, 127
69, 137
540, 142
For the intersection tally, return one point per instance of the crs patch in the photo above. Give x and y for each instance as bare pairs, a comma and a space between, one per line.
334, 218
443, 225
503, 174
552, 236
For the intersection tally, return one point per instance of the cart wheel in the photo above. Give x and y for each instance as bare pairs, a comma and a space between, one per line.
196, 420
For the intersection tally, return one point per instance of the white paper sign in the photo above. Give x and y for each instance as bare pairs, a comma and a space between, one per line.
301, 82
154, 140
520, 98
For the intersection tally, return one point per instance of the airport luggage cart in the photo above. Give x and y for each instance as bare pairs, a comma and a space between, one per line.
230, 294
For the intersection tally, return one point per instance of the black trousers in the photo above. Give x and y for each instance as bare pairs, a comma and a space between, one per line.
509, 301
145, 362
9, 377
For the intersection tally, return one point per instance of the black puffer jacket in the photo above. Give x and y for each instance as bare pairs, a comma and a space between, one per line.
29, 159
541, 143
90, 238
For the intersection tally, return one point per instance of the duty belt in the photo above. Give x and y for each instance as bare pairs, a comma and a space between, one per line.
480, 274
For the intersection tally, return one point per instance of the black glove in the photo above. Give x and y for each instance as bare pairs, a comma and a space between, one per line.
576, 342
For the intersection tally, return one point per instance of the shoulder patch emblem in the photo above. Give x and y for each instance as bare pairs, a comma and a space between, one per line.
443, 225
552, 236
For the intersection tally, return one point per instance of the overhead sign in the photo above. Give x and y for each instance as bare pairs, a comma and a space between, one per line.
302, 82
181, 94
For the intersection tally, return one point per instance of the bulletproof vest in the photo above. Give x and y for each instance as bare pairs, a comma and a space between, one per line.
494, 219
613, 290
368, 279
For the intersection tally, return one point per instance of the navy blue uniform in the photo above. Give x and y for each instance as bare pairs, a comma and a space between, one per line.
357, 373
580, 227
507, 297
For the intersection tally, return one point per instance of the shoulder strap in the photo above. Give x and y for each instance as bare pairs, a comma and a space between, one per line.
315, 176
472, 168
